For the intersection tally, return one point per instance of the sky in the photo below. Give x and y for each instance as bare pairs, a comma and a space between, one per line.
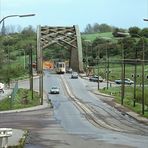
118, 13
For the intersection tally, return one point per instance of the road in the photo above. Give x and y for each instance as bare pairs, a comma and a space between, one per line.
112, 124
67, 125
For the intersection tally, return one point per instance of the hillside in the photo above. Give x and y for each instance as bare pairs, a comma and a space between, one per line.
91, 37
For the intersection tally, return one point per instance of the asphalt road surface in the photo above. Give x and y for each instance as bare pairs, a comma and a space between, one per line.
66, 126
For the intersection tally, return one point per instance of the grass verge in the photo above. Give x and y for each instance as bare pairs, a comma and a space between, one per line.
23, 99
128, 100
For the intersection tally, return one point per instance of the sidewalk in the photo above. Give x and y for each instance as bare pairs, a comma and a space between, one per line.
17, 134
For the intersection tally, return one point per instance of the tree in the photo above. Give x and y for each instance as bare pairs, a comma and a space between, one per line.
144, 32
105, 28
133, 31
89, 29
127, 44
28, 31
2, 57
96, 28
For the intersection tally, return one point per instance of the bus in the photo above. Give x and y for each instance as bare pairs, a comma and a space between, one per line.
60, 67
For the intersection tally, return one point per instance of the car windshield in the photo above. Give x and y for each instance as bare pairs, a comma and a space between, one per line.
75, 73
54, 88
127, 79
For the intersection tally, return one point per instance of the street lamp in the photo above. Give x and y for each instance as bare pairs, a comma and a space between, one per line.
26, 15
145, 19
2, 20
3, 30
143, 55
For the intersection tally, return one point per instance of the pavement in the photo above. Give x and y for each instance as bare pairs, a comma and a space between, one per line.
18, 134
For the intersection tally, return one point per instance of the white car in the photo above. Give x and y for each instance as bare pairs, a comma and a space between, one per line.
54, 90
125, 81
95, 78
74, 75
2, 87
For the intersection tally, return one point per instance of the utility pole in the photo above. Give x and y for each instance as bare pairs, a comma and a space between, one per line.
107, 71
135, 79
143, 57
98, 68
30, 70
123, 75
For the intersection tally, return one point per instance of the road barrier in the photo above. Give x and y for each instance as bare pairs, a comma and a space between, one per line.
4, 134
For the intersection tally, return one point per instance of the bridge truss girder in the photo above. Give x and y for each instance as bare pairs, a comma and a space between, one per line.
67, 37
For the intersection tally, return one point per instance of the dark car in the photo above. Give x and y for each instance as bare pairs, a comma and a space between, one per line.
95, 78
126, 81
74, 75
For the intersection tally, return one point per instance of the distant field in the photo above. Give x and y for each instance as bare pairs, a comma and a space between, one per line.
106, 35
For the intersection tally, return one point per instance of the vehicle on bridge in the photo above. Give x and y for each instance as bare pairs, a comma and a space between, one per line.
74, 75
54, 90
60, 67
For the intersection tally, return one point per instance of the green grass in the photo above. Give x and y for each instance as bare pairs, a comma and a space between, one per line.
91, 37
128, 99
116, 71
23, 99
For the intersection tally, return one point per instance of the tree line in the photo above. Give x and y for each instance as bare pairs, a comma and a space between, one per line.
100, 28
15, 44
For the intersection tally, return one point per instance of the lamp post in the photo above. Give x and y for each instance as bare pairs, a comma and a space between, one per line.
30, 70
145, 19
2, 20
3, 32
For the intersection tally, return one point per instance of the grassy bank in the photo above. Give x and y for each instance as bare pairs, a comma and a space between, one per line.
23, 99
129, 98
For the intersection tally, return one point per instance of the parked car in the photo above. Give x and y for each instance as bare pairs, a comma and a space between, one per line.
1, 87
74, 75
54, 90
126, 81
95, 78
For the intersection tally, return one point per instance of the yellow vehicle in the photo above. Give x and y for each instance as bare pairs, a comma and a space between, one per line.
60, 67
48, 65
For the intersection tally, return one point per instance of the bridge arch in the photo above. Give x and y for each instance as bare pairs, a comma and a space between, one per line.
67, 37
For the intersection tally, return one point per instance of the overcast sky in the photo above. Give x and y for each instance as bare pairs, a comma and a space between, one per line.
119, 13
